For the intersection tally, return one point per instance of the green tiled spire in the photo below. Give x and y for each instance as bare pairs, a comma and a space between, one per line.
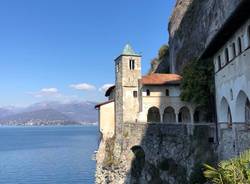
128, 50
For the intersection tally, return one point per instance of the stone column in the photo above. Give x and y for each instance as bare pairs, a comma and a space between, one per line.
176, 118
161, 115
192, 116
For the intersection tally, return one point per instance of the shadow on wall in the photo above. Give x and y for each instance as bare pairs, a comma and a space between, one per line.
168, 153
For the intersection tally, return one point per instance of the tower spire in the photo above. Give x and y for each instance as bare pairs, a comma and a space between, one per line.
128, 50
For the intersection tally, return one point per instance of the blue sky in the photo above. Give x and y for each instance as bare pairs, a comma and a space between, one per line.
64, 49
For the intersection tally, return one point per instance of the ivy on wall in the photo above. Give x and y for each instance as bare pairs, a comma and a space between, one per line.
197, 86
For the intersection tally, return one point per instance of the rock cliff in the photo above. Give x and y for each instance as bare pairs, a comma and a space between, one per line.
156, 154
192, 26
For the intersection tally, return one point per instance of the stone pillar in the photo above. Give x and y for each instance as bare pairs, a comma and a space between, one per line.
161, 115
192, 116
176, 118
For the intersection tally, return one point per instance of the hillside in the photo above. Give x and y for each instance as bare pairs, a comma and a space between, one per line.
50, 113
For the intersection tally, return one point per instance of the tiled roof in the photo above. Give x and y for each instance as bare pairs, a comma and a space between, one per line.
110, 89
104, 103
160, 79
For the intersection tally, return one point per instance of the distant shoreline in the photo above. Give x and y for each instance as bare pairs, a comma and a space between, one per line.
78, 125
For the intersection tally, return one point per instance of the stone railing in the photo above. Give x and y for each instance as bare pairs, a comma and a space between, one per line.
144, 129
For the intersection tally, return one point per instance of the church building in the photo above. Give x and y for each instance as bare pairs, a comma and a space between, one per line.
134, 98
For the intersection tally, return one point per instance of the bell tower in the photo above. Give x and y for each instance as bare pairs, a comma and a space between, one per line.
128, 73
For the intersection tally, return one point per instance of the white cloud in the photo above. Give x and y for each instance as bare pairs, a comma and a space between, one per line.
53, 94
83, 87
105, 87
46, 92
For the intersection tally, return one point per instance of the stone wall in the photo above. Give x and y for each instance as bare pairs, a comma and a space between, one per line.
233, 140
107, 123
158, 153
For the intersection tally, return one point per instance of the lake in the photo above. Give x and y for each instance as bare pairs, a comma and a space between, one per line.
47, 155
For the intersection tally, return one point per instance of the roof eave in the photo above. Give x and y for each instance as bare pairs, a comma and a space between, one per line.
131, 55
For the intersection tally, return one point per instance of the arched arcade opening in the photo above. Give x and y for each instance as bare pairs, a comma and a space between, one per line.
154, 115
184, 115
242, 113
169, 115
225, 115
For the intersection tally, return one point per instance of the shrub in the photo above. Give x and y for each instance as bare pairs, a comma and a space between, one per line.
197, 85
233, 171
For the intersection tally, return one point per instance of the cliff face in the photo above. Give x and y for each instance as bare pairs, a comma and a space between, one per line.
192, 26
156, 153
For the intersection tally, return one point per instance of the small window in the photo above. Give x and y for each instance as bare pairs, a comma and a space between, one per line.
231, 94
135, 94
167, 92
239, 45
219, 62
131, 64
234, 50
248, 35
148, 92
226, 55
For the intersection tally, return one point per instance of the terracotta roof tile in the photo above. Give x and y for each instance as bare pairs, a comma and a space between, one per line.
161, 79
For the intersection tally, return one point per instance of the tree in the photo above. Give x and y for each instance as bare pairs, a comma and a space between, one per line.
197, 85
233, 171
161, 59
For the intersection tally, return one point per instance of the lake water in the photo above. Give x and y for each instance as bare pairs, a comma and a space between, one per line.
47, 155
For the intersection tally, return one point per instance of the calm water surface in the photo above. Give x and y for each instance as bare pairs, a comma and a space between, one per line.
47, 155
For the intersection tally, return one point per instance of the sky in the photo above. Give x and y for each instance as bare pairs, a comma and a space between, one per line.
64, 50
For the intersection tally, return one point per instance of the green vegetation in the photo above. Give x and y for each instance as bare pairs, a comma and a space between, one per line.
163, 54
233, 171
109, 159
198, 84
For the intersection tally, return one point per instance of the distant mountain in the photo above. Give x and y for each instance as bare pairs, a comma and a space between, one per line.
4, 112
51, 113
78, 111
39, 117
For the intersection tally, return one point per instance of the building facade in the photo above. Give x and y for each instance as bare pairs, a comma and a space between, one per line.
153, 98
230, 52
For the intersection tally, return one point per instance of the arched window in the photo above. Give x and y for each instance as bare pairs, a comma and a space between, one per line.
247, 112
148, 92
131, 64
169, 115
154, 115
239, 45
226, 55
184, 115
167, 92
234, 50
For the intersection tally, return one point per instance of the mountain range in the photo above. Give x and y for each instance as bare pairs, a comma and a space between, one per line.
50, 113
